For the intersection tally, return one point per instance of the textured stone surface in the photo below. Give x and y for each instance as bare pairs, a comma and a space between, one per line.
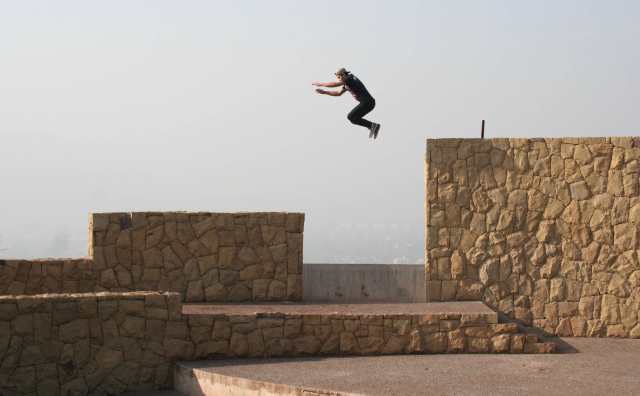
548, 231
109, 343
359, 329
94, 343
203, 256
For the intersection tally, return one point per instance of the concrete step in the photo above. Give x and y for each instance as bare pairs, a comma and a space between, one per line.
459, 374
201, 379
234, 377
299, 329
306, 332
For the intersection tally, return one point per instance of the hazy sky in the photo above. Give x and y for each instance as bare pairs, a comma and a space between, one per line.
207, 105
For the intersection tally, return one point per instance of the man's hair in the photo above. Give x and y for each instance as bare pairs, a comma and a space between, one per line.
343, 72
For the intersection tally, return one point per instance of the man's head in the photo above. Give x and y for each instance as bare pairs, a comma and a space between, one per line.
342, 74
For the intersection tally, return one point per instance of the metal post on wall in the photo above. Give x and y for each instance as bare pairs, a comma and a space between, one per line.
482, 131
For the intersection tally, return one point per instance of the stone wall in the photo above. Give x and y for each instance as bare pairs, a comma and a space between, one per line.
203, 256
286, 335
110, 342
543, 230
47, 276
99, 344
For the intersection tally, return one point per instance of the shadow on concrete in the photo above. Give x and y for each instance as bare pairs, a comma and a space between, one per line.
562, 346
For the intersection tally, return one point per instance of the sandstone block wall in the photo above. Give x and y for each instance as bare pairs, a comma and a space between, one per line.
107, 343
47, 276
99, 344
286, 335
204, 256
543, 230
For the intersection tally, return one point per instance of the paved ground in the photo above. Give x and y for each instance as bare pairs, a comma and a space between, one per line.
599, 367
456, 307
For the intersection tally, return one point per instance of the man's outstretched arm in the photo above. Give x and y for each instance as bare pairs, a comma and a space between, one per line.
328, 84
331, 93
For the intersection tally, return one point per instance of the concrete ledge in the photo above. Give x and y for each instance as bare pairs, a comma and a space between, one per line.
75, 297
191, 381
439, 309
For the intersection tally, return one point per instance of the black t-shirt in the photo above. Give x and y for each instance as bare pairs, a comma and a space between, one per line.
357, 88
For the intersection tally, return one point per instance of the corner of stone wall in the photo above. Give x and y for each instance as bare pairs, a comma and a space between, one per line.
545, 230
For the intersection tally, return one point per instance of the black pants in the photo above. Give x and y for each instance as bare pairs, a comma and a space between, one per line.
364, 107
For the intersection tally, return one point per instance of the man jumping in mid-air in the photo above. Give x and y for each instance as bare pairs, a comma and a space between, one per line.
351, 83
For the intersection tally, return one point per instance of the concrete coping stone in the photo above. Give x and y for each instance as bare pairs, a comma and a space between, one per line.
137, 295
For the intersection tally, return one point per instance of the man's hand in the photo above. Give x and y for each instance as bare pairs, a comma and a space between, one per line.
321, 91
317, 84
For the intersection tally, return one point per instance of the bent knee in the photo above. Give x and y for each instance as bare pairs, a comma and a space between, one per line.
352, 118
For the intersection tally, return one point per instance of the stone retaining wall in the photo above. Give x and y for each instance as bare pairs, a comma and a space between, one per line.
98, 344
543, 230
204, 256
108, 343
272, 335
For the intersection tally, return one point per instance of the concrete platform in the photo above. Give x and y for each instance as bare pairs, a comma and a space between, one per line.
383, 309
589, 367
